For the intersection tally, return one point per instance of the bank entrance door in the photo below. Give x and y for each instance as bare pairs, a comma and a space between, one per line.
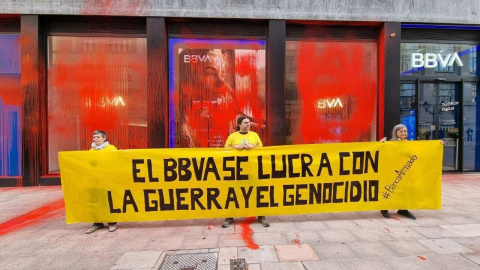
438, 118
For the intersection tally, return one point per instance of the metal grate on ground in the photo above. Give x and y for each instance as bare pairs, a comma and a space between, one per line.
198, 261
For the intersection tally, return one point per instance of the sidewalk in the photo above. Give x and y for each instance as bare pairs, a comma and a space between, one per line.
34, 235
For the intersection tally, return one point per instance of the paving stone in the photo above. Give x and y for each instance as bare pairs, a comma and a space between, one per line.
370, 235
137, 259
402, 233
408, 248
165, 243
231, 240
367, 264
410, 263
434, 232
296, 253
337, 236
263, 254
310, 226
444, 246
268, 238
371, 249
472, 243
474, 257
301, 237
200, 241
371, 223
467, 230
254, 266
451, 261
227, 253
326, 264
333, 251
282, 266
341, 224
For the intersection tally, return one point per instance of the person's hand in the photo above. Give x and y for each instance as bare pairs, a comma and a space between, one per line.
442, 142
239, 146
250, 146
384, 139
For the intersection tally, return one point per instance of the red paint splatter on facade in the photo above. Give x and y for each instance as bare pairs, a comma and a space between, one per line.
215, 86
33, 217
96, 83
337, 92
422, 258
247, 233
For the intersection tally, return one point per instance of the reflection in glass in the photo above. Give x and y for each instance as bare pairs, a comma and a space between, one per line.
331, 91
96, 83
212, 82
10, 106
471, 124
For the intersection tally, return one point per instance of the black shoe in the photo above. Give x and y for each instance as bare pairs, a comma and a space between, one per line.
385, 213
227, 222
264, 221
406, 213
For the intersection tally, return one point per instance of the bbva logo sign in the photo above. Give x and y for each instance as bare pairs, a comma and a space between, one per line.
431, 60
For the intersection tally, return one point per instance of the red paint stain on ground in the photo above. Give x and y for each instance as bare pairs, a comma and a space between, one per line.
297, 239
209, 228
247, 233
422, 258
33, 217
398, 219
387, 229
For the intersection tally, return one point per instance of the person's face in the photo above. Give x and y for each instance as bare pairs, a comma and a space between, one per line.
245, 125
402, 134
214, 72
98, 139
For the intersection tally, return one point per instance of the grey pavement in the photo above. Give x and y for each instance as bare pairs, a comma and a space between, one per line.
34, 235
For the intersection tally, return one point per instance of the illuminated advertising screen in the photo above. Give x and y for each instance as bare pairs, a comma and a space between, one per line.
212, 82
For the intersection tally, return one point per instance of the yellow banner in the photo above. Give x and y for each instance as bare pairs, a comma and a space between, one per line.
162, 184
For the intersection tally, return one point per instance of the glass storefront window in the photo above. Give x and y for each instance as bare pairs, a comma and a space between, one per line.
331, 91
212, 82
438, 59
96, 83
408, 112
471, 126
10, 106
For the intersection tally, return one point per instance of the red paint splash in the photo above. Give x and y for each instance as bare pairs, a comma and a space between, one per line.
33, 217
297, 239
96, 83
247, 233
337, 86
214, 87
388, 230
397, 219
208, 227
422, 258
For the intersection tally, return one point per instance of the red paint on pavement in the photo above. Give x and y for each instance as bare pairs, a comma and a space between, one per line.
33, 217
247, 233
387, 229
422, 258
398, 219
